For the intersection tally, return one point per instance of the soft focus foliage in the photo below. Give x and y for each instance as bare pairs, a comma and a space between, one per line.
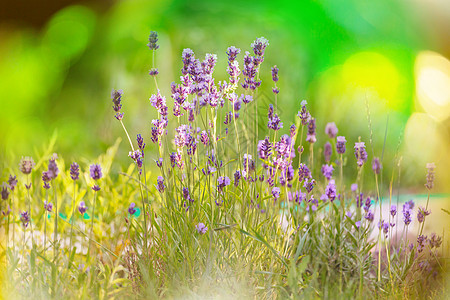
341, 55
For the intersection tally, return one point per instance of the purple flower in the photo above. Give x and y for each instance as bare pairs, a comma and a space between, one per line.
410, 204
96, 188
5, 192
116, 96
12, 181
140, 142
82, 208
406, 214
237, 177
264, 148
26, 165
159, 102
96, 171
152, 40
382, 225
314, 203
46, 179
249, 71
204, 138
131, 209
232, 52
276, 193
367, 204
354, 187
249, 163
274, 121
119, 116
360, 153
327, 171
160, 184
303, 114
340, 144
359, 200
137, 157
48, 206
330, 190
223, 181
53, 170
331, 130
309, 185
246, 98
303, 172
275, 73
311, 136
369, 216
421, 242
209, 63
187, 195
74, 171
283, 147
25, 218
421, 214
327, 151
376, 165
259, 46
6, 212
159, 162
348, 214
435, 241
183, 136
158, 128
201, 228
292, 130
275, 90
153, 72
393, 210
430, 175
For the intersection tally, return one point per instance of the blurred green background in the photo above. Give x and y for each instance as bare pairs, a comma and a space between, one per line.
58, 66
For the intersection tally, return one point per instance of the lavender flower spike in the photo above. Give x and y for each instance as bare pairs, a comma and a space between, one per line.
152, 40
5, 192
160, 184
12, 181
116, 96
223, 181
53, 170
26, 165
331, 130
74, 171
95, 171
48, 206
25, 218
327, 151
360, 153
131, 209
82, 208
340, 144
376, 165
311, 136
201, 228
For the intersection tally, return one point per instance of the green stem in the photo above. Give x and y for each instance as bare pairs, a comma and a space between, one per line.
55, 235
92, 227
72, 219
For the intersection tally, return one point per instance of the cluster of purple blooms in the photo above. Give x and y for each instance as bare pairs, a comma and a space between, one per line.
197, 89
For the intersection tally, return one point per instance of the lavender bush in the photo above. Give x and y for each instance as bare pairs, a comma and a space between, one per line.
236, 209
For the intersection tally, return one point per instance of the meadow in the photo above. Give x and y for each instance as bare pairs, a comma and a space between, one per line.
230, 203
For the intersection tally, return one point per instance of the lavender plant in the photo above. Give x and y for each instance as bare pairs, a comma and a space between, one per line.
234, 208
